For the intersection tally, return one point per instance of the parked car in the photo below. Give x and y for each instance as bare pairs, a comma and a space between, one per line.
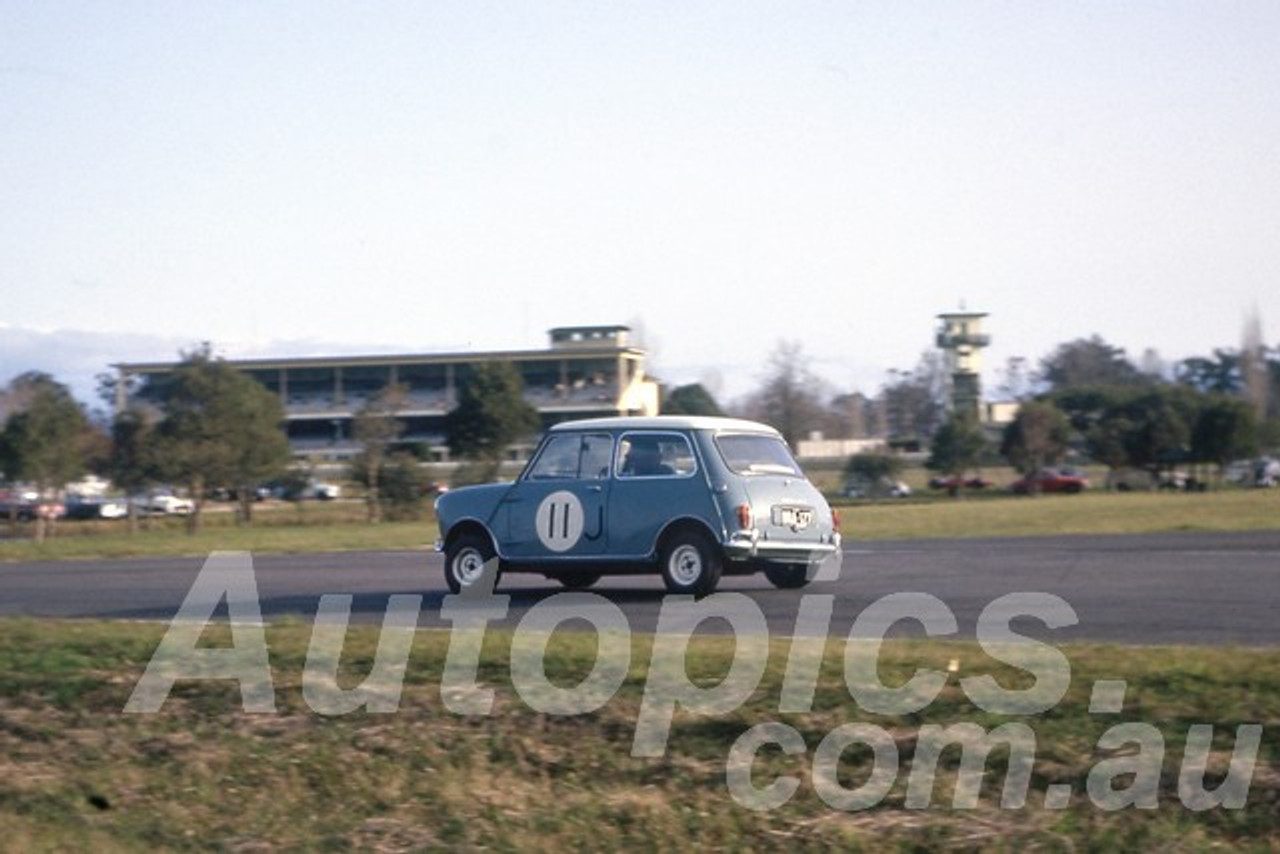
689, 498
16, 506
1050, 480
882, 488
952, 483
26, 506
95, 507
322, 491
164, 504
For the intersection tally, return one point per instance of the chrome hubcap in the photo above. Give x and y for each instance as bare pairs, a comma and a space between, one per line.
685, 565
468, 566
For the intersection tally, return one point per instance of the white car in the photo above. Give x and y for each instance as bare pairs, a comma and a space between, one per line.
165, 505
322, 491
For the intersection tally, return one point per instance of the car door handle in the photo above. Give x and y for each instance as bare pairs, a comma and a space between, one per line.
595, 489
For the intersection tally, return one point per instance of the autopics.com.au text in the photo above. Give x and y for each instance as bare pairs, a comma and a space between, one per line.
1128, 778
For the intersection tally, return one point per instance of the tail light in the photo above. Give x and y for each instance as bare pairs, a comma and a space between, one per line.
744, 516
835, 519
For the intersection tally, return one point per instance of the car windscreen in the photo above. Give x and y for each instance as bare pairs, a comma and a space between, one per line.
747, 453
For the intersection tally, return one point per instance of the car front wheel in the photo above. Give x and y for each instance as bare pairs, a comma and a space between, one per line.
691, 563
466, 560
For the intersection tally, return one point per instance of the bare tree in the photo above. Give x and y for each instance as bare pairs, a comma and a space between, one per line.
792, 396
914, 402
377, 426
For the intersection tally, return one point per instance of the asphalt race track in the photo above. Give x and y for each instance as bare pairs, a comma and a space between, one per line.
1186, 588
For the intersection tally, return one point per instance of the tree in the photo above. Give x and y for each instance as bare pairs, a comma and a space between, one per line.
220, 429
791, 398
1226, 429
1156, 434
132, 465
958, 445
43, 440
1088, 362
490, 416
403, 487
873, 468
1219, 374
691, 399
1037, 437
377, 425
855, 416
914, 402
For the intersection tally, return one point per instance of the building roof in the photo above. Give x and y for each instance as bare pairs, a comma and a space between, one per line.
602, 329
397, 359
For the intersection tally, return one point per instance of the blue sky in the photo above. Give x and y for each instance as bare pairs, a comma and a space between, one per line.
294, 178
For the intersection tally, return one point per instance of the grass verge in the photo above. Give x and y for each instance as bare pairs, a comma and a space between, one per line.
78, 774
1048, 515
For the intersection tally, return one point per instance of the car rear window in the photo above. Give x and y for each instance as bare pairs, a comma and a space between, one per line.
746, 453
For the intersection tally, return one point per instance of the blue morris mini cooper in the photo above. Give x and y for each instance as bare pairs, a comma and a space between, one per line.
688, 497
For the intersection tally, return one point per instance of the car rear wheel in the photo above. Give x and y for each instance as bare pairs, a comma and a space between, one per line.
788, 576
691, 563
465, 561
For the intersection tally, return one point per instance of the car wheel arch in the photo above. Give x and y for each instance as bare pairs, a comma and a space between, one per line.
471, 526
683, 525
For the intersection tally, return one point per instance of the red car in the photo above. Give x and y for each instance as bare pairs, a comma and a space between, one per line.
24, 508
1049, 480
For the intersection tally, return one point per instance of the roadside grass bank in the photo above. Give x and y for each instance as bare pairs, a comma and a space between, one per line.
276, 528
1049, 515
78, 774
340, 527
171, 540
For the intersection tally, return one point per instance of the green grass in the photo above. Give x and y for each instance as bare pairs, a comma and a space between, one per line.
340, 526
1088, 513
77, 774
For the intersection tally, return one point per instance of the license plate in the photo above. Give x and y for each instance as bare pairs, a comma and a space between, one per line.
795, 518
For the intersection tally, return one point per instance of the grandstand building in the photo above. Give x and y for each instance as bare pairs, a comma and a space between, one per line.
587, 371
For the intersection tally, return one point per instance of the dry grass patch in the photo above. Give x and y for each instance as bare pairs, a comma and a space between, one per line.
77, 773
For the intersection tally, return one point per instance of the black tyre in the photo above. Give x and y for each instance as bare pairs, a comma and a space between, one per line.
691, 563
465, 561
787, 576
578, 580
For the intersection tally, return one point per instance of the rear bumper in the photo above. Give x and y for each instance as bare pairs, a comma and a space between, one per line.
823, 559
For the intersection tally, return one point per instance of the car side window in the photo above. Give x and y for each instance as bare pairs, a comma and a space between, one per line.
655, 455
574, 456
597, 451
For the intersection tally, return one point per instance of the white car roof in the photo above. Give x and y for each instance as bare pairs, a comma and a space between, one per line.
668, 422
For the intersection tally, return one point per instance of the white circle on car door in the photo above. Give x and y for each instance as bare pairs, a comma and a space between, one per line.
559, 521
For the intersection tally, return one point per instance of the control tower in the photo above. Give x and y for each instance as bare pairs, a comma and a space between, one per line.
961, 338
